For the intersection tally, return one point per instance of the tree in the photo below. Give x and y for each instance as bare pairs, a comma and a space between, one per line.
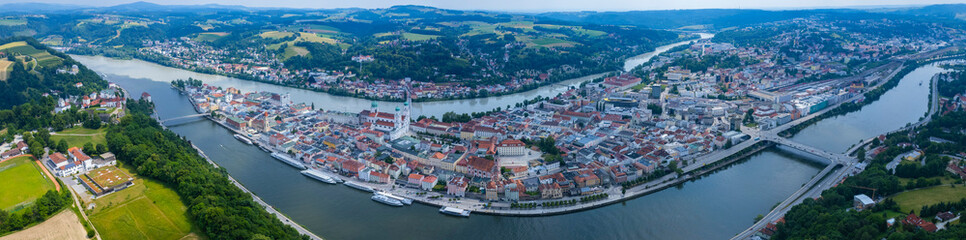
89, 147
728, 144
101, 148
36, 149
62, 146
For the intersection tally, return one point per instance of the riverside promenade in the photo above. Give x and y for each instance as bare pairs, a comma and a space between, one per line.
268, 207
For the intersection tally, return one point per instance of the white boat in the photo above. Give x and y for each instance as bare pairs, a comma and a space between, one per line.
264, 149
243, 139
315, 174
403, 200
289, 161
386, 200
359, 186
455, 211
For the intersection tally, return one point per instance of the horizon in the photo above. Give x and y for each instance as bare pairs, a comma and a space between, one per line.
529, 6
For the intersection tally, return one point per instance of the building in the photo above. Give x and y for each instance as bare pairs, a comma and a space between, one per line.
481, 167
395, 125
62, 166
457, 186
511, 147
862, 202
428, 183
415, 180
914, 220
550, 191
492, 192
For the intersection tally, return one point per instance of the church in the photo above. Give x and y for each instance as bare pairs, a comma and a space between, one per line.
395, 124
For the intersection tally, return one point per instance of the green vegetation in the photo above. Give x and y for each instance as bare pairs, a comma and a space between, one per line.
418, 37
79, 136
219, 208
23, 182
210, 36
12, 22
912, 201
146, 210
44, 207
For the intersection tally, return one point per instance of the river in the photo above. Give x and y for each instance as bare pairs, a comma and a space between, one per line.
155, 72
904, 104
716, 206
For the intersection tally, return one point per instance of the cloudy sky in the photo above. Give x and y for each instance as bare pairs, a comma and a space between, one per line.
532, 5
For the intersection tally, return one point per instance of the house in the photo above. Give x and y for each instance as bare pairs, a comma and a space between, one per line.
428, 183
352, 168
379, 177
492, 191
512, 191
510, 147
62, 166
481, 167
415, 180
862, 202
457, 186
550, 191
914, 220
945, 216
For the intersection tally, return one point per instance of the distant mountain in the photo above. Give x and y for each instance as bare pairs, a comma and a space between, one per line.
38, 7
698, 19
946, 11
152, 7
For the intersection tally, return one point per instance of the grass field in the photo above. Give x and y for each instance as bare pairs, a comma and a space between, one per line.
43, 57
23, 182
292, 51
275, 34
147, 210
553, 42
5, 67
209, 36
914, 200
418, 37
12, 22
79, 136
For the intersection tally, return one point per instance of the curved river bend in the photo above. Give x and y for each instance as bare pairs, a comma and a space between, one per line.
714, 207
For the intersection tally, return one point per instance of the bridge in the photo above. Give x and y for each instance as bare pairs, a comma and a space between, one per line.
182, 117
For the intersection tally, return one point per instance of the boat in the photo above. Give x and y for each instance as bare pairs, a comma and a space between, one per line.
386, 200
315, 174
289, 161
359, 186
455, 211
264, 148
243, 139
403, 200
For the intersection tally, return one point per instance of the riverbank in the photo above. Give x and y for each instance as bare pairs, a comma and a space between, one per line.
271, 210
870, 96
614, 194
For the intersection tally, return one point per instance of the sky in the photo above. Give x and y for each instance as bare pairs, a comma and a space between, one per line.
530, 5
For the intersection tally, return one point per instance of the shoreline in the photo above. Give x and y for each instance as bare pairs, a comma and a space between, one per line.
614, 193
338, 92
268, 207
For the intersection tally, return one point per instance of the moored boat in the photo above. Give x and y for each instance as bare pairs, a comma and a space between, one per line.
459, 212
315, 174
359, 186
386, 200
403, 200
243, 139
289, 161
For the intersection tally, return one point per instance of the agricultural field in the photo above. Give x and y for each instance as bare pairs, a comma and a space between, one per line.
43, 57
78, 136
552, 42
12, 22
418, 37
209, 36
915, 199
5, 68
146, 210
275, 34
65, 225
23, 182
